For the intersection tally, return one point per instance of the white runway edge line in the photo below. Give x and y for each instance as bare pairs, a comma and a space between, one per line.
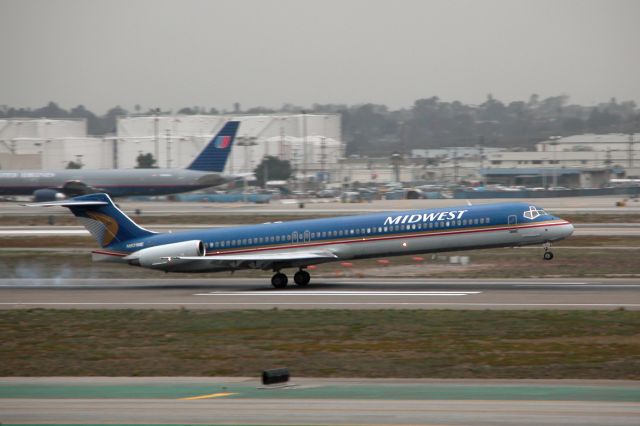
606, 305
339, 293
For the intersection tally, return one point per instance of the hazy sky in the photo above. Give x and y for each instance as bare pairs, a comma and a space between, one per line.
213, 53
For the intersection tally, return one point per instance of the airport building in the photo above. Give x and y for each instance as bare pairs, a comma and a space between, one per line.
50, 144
312, 142
586, 161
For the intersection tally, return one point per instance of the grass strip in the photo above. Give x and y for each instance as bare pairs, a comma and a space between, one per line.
325, 343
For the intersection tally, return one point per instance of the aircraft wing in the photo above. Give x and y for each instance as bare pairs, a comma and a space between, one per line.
260, 260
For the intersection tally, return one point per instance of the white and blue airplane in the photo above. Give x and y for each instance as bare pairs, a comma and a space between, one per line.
301, 243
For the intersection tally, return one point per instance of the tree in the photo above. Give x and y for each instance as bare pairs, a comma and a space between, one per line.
146, 161
74, 165
272, 168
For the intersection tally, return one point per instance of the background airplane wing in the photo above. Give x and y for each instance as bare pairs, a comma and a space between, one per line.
264, 260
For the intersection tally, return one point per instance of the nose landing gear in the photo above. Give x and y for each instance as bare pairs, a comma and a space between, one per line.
548, 254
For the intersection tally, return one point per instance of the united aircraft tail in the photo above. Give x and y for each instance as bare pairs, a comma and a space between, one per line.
102, 218
214, 156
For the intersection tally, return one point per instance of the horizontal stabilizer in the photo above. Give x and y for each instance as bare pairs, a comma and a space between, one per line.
102, 218
69, 203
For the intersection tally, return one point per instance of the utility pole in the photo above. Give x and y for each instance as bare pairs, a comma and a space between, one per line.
323, 151
304, 152
156, 137
481, 153
168, 149
455, 165
631, 150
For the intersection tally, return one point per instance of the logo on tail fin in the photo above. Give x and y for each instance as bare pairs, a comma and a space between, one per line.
222, 142
104, 228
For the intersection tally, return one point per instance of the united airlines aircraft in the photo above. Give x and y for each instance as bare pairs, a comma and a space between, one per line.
298, 244
49, 185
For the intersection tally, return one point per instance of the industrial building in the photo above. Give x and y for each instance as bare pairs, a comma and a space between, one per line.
312, 142
50, 144
175, 140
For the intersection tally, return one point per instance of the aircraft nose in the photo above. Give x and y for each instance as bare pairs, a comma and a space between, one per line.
568, 229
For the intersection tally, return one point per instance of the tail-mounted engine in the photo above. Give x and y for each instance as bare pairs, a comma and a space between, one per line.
160, 257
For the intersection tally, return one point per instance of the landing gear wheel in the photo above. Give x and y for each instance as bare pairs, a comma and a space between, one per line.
548, 255
302, 278
279, 280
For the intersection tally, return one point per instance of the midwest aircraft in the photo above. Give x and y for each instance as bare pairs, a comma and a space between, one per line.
49, 185
301, 243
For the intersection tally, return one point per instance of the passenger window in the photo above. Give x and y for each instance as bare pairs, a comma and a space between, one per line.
482, 221
486, 220
385, 229
277, 238
351, 232
430, 225
446, 224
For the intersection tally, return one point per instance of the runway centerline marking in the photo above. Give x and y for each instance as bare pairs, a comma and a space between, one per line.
339, 293
213, 395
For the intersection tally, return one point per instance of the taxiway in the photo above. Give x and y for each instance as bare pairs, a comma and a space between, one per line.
318, 401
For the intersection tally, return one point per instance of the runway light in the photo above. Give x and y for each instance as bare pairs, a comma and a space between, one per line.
383, 262
346, 264
312, 267
418, 258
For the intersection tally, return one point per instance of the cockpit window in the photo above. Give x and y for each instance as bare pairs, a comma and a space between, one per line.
534, 212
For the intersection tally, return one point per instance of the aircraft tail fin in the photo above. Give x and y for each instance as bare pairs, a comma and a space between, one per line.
214, 156
102, 218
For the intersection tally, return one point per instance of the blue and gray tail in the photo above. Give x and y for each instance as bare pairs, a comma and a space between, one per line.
214, 156
102, 218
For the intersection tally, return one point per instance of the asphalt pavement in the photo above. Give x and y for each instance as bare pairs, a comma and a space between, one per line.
318, 401
322, 293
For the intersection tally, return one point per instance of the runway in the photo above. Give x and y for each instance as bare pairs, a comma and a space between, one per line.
318, 401
323, 293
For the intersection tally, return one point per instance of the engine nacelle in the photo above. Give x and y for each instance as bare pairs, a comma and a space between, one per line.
160, 256
45, 194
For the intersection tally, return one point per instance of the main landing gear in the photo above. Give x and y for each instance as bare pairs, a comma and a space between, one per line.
280, 280
548, 254
302, 278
